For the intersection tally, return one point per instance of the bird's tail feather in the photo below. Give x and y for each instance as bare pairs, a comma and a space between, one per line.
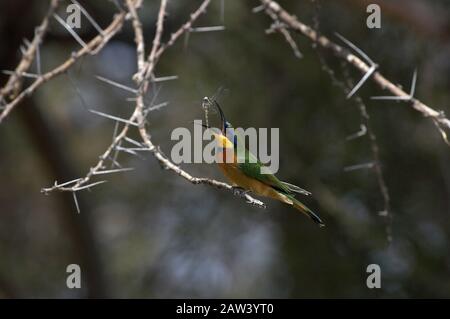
305, 210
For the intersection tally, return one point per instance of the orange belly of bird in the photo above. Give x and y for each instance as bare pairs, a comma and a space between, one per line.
237, 178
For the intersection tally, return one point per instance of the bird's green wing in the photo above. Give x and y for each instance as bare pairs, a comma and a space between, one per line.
251, 166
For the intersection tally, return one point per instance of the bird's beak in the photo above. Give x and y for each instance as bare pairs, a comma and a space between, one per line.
222, 115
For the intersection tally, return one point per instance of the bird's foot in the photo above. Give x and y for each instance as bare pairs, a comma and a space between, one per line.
239, 191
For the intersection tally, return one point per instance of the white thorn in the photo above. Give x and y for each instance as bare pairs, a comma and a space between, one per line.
121, 86
131, 141
208, 29
359, 166
125, 169
115, 118
76, 201
165, 78
68, 28
413, 84
88, 186
67, 183
24, 74
354, 47
361, 82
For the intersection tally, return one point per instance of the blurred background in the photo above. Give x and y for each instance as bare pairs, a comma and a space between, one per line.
149, 233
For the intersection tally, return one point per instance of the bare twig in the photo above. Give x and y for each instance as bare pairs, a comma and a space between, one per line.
277, 26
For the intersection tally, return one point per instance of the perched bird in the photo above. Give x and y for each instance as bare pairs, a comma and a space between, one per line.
243, 169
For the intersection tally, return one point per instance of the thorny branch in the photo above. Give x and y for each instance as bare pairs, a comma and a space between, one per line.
14, 82
275, 11
143, 78
92, 47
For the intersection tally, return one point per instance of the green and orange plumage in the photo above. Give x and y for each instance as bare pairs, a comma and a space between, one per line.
243, 169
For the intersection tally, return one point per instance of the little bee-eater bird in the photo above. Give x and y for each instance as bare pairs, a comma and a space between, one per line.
243, 170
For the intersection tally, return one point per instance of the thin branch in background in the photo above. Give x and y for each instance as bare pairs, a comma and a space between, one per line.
365, 127
77, 90
280, 27
186, 41
114, 162
116, 153
442, 130
118, 5
386, 212
156, 90
38, 56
